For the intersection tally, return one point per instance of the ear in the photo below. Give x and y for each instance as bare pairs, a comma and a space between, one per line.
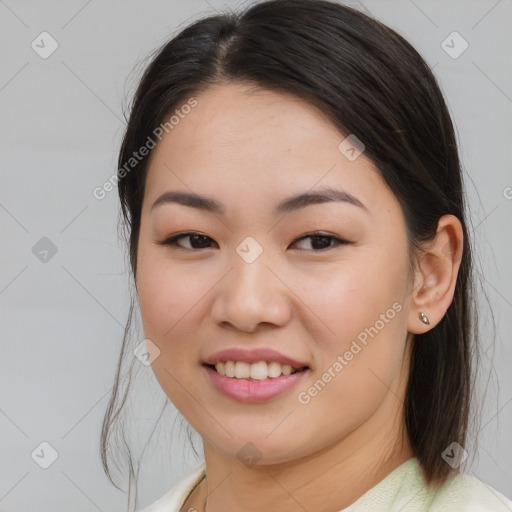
436, 275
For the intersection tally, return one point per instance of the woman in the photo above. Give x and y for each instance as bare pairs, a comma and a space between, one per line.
292, 189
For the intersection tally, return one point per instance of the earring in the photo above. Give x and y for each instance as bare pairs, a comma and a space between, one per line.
424, 318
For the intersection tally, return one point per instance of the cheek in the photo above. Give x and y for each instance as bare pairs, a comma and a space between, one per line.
157, 298
353, 296
167, 296
174, 303
170, 305
363, 317
360, 363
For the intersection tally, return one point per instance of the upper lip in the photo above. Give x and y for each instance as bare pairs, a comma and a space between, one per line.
252, 356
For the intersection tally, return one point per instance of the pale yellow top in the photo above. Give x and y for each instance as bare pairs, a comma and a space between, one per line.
402, 490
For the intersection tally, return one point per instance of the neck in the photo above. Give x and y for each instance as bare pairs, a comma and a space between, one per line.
331, 479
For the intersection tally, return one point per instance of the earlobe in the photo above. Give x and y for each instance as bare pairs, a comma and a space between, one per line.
436, 276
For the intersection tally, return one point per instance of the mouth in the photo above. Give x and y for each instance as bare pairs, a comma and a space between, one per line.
258, 371
254, 382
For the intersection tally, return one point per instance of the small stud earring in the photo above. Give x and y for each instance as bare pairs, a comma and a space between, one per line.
424, 318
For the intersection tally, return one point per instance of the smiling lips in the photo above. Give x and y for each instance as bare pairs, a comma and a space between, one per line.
256, 371
253, 375
253, 355
256, 364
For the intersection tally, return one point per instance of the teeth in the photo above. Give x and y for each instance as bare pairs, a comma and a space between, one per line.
256, 371
229, 369
242, 370
274, 369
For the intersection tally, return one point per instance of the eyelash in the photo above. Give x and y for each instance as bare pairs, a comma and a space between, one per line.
172, 241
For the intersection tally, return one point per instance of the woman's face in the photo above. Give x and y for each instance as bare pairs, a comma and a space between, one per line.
256, 284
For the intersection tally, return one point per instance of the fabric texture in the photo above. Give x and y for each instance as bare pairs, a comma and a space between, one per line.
402, 490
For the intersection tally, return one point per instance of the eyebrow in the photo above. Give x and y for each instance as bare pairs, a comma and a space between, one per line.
296, 202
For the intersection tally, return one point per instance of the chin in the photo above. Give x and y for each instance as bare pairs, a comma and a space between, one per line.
258, 449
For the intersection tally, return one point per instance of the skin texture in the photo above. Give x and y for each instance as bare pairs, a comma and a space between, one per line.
249, 150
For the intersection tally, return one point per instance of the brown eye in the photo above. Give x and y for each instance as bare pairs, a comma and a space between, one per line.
196, 241
320, 241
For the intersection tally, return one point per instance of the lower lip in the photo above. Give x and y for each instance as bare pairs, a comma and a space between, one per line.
244, 390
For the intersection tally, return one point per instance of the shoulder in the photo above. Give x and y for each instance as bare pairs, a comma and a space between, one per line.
173, 500
406, 490
467, 493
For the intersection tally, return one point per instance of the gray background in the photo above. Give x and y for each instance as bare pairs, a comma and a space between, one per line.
62, 319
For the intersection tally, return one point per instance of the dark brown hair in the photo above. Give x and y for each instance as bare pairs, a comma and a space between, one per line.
370, 82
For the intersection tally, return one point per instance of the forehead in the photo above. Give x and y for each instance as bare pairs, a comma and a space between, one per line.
258, 145
266, 124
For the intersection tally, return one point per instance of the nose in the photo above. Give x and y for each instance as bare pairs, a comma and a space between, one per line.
251, 294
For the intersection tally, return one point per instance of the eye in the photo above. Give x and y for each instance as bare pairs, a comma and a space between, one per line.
196, 240
322, 241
